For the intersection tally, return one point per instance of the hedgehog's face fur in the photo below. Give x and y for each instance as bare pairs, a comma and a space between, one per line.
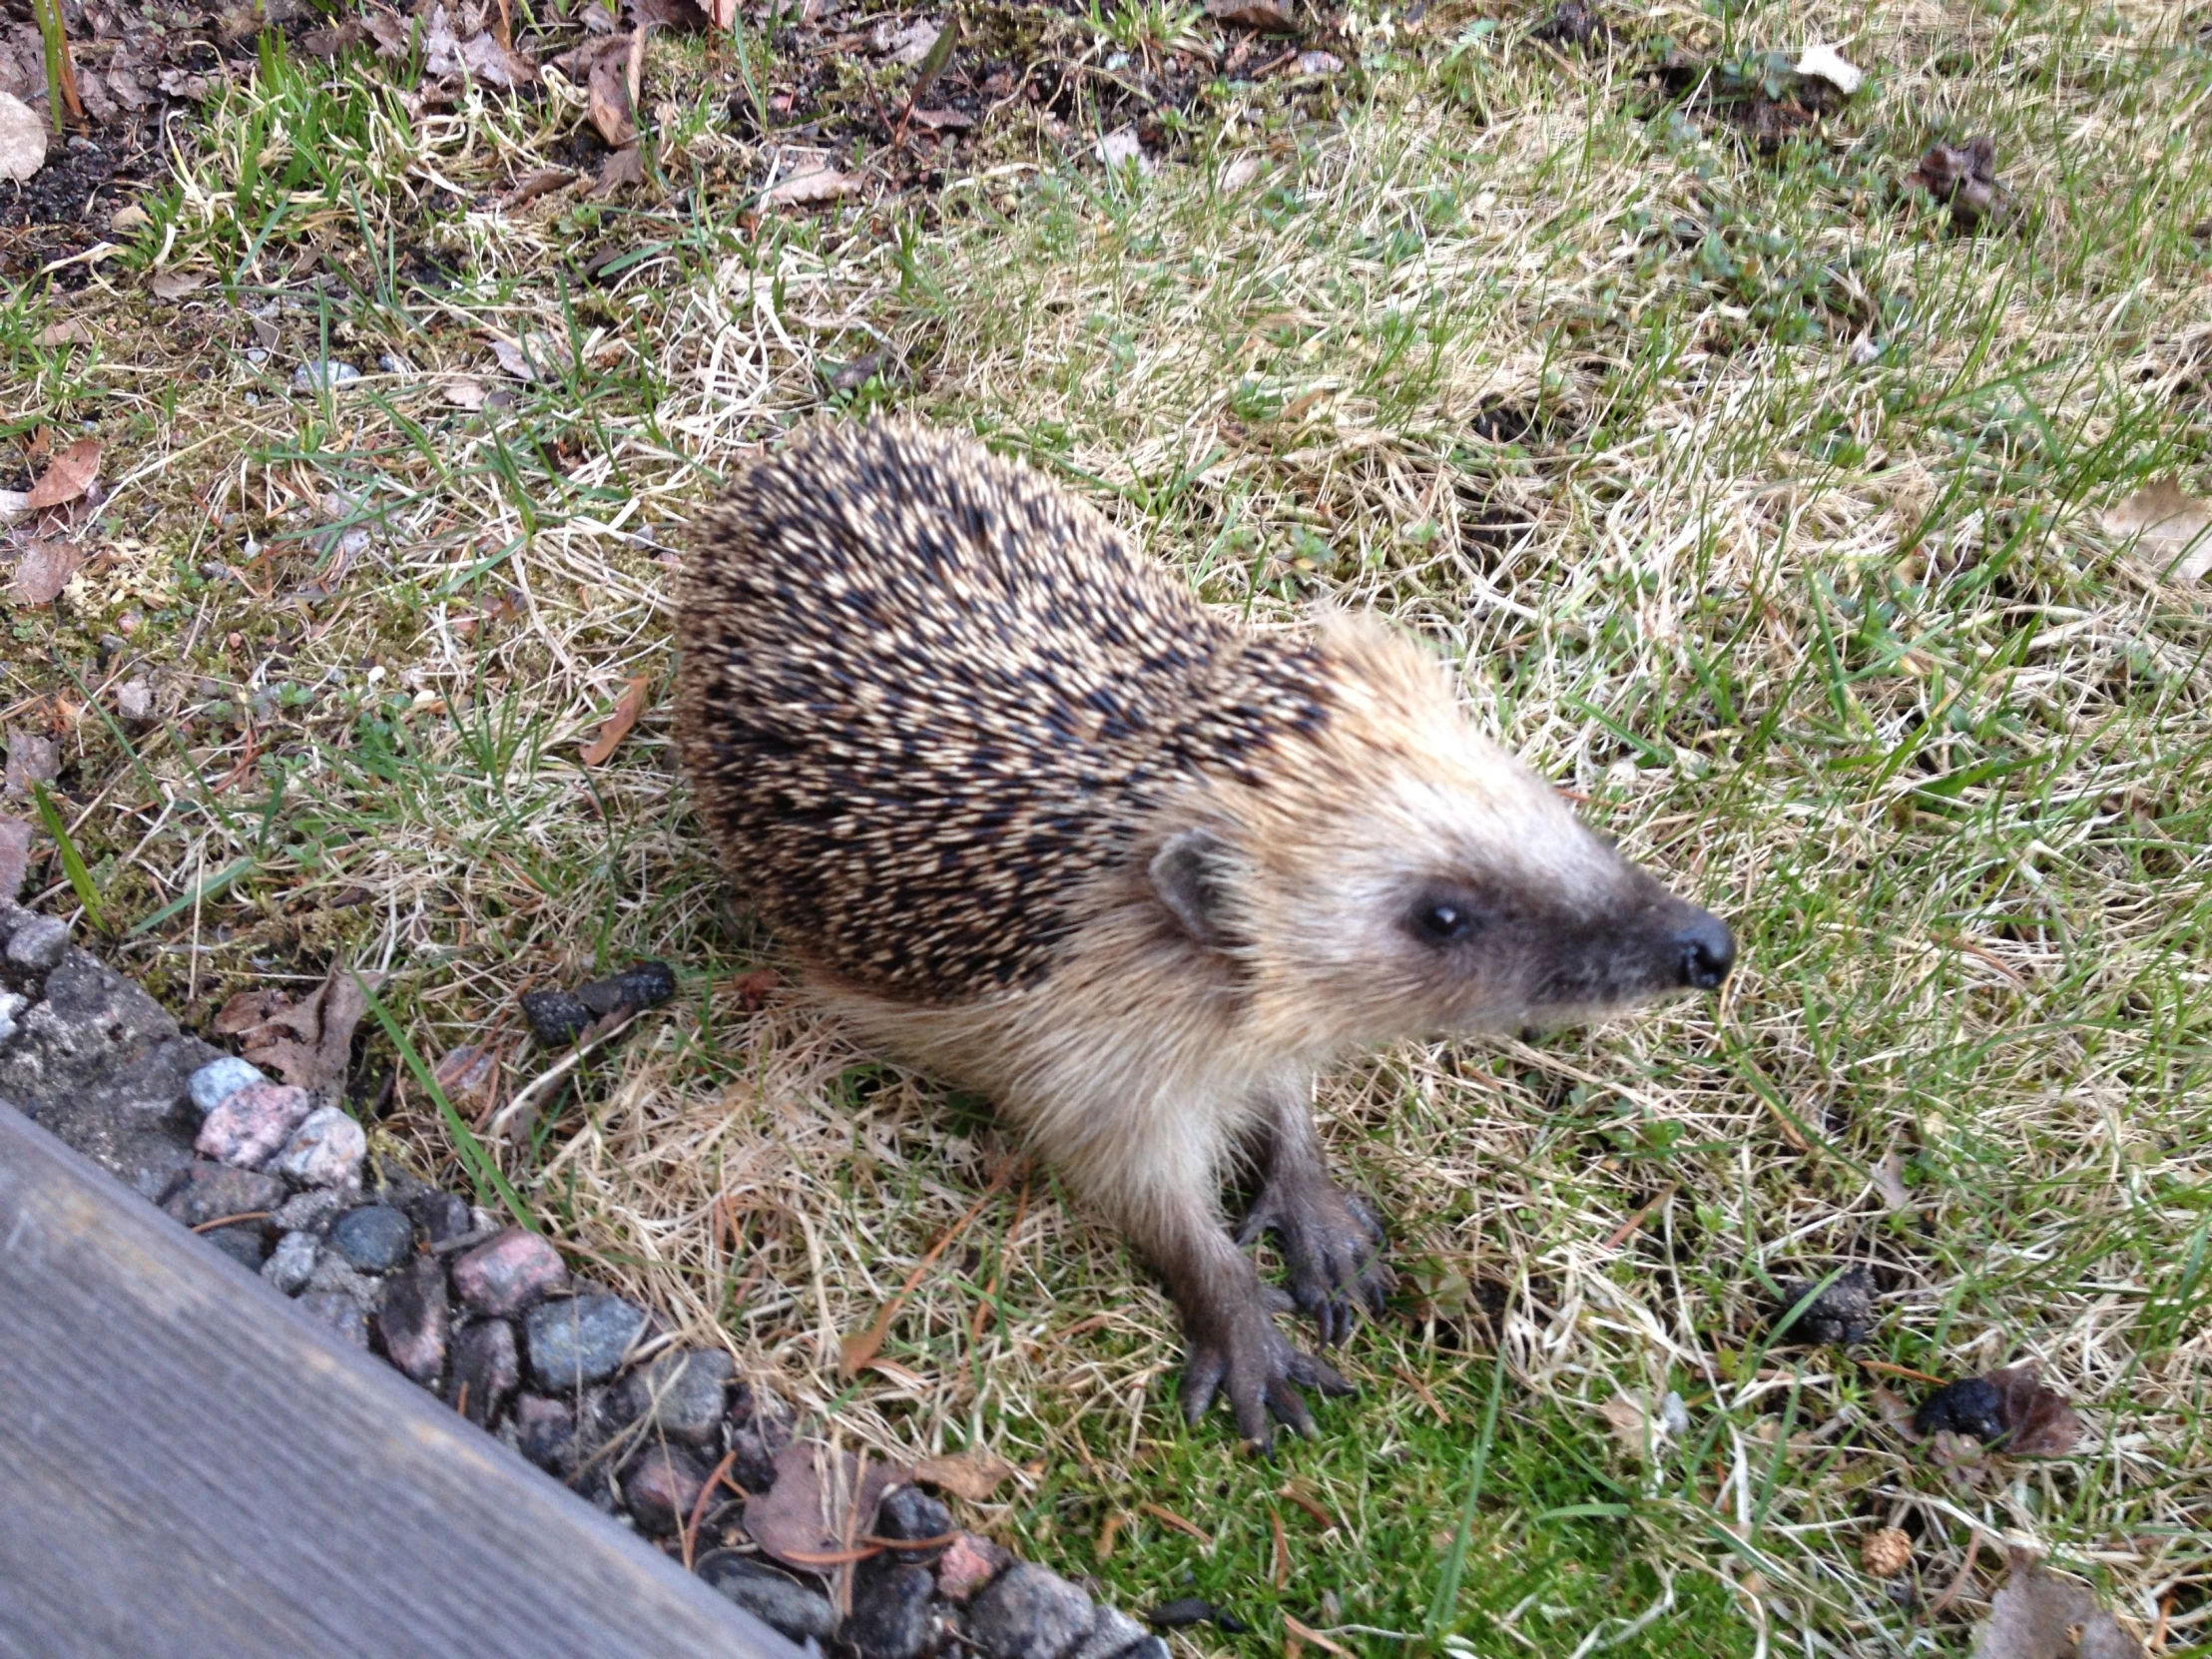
1450, 889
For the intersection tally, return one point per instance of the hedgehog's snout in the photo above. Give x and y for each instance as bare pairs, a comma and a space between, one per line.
1705, 949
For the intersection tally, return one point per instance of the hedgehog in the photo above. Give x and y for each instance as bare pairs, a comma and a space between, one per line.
1032, 819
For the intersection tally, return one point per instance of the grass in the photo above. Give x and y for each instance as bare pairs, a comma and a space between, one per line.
1756, 504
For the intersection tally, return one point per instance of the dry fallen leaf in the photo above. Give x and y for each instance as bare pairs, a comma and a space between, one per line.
2039, 1615
465, 394
1240, 173
2166, 525
2039, 1423
175, 285
754, 989
484, 56
942, 120
69, 477
69, 332
607, 94
45, 570
541, 182
809, 1518
622, 169
15, 856
22, 139
1888, 1181
307, 1043
1631, 1425
32, 760
628, 706
471, 1075
1252, 14
803, 189
1120, 148
973, 1475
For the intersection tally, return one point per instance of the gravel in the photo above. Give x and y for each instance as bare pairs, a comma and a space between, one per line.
487, 1369
509, 1272
247, 1125
581, 1339
411, 1320
969, 1563
911, 1513
375, 1238
218, 1080
891, 1615
662, 1484
1112, 1634
291, 1263
38, 945
212, 1191
340, 1311
442, 1216
327, 1150
1029, 1613
773, 1598
682, 1395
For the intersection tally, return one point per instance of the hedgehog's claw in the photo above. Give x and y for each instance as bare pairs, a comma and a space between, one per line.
1331, 1245
1246, 1358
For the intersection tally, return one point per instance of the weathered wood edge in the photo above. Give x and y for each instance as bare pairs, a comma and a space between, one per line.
190, 1465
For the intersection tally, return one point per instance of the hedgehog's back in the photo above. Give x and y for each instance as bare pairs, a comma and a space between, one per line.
923, 695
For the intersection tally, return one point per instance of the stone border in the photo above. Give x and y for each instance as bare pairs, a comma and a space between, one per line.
579, 1379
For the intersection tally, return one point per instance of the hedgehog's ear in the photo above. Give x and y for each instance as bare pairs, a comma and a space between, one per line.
1186, 875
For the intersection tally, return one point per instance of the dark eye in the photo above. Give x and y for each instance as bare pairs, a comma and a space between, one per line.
1444, 922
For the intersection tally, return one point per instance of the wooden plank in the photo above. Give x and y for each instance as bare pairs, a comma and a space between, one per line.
190, 1465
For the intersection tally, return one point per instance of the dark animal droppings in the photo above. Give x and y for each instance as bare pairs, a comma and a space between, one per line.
1972, 1405
558, 1018
1179, 1616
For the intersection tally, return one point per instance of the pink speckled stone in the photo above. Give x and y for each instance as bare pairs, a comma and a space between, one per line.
508, 1273
247, 1125
968, 1563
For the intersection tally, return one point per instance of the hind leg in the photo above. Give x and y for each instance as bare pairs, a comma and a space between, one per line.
1331, 1241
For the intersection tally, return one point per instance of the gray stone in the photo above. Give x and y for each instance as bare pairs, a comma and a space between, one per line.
246, 1243
308, 1212
773, 1598
411, 1320
98, 1065
210, 1192
1029, 1613
891, 1617
680, 1394
911, 1513
11, 1005
442, 1216
38, 945
375, 1238
581, 1339
324, 1151
292, 1263
339, 1313
323, 374
545, 1430
334, 1276
661, 1485
249, 1124
218, 1080
508, 1273
1112, 1634
487, 1369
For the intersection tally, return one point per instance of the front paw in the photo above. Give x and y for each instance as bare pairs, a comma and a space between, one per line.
1240, 1352
1331, 1246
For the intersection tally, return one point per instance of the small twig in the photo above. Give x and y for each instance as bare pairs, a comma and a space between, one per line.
857, 1352
1307, 1504
1307, 1633
1427, 1398
1621, 1233
1965, 1572
226, 1221
698, 1509
1908, 1371
1282, 1550
1161, 1512
460, 1404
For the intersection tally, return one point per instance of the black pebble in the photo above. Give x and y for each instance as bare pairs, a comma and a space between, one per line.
558, 1018
1175, 1615
373, 1239
442, 1216
1972, 1406
911, 1513
1842, 1314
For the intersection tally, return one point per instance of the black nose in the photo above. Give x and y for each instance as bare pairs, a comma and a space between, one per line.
1708, 952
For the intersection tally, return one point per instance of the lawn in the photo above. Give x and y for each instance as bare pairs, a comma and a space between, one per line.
1755, 497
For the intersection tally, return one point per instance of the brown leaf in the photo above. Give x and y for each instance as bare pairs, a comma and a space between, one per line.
2039, 1615
622, 169
45, 570
2166, 525
465, 394
1895, 1410
69, 477
628, 706
307, 1043
811, 1517
940, 120
489, 58
973, 1475
1888, 1181
175, 285
542, 182
2039, 1423
755, 988
15, 856
607, 94
684, 17
393, 37
800, 190
470, 1074
70, 331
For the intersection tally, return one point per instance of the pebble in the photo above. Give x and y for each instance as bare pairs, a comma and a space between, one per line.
308, 1212
218, 1080
1112, 1634
891, 1616
487, 1369
969, 1563
769, 1596
581, 1339
246, 1243
334, 1276
324, 1151
338, 1311
412, 1318
322, 374
291, 1263
1029, 1613
10, 1005
663, 1483
210, 1190
911, 1513
442, 1216
680, 1394
251, 1123
506, 1273
375, 1238
39, 944
544, 1431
